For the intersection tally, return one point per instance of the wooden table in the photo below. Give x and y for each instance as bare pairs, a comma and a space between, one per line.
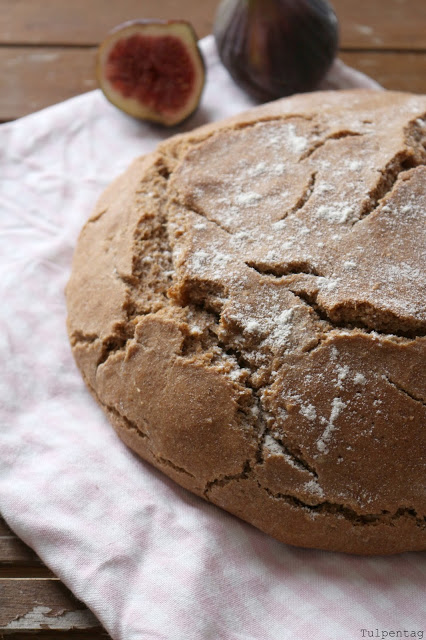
47, 50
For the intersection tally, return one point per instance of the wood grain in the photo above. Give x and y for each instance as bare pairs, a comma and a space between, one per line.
14, 552
25, 571
31, 79
33, 604
34, 601
378, 24
382, 24
85, 22
397, 71
56, 634
4, 529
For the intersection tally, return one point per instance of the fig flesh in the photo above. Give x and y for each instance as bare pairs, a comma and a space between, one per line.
152, 70
274, 48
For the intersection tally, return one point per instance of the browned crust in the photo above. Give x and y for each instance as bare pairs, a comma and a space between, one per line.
272, 360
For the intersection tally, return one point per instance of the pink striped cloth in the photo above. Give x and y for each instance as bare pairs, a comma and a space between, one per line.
151, 560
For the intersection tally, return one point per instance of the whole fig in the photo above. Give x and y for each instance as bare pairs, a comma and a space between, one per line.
274, 48
152, 69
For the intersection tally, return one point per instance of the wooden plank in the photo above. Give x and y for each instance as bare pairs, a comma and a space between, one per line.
22, 590
4, 529
14, 551
35, 604
382, 24
73, 634
391, 24
16, 558
25, 571
32, 79
86, 22
400, 72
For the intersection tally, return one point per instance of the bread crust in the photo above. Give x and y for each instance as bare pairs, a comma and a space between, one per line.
247, 304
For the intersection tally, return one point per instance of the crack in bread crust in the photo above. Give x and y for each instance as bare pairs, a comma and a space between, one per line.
356, 518
325, 507
407, 393
311, 300
254, 306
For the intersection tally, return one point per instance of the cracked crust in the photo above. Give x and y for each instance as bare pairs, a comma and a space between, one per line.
247, 305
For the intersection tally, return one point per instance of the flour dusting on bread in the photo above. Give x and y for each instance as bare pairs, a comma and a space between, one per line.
248, 306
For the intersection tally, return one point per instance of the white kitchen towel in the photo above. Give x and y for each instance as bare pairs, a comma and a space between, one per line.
151, 560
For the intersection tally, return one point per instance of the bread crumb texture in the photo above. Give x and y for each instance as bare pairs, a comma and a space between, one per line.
247, 305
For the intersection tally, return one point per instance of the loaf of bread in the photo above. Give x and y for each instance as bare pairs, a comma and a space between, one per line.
247, 304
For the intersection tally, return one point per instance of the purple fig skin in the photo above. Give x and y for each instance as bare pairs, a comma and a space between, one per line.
274, 48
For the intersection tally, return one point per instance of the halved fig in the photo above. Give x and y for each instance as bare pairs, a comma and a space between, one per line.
152, 70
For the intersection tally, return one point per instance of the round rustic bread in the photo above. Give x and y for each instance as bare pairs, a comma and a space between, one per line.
247, 305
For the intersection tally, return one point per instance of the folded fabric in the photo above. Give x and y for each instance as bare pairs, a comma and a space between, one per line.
151, 560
